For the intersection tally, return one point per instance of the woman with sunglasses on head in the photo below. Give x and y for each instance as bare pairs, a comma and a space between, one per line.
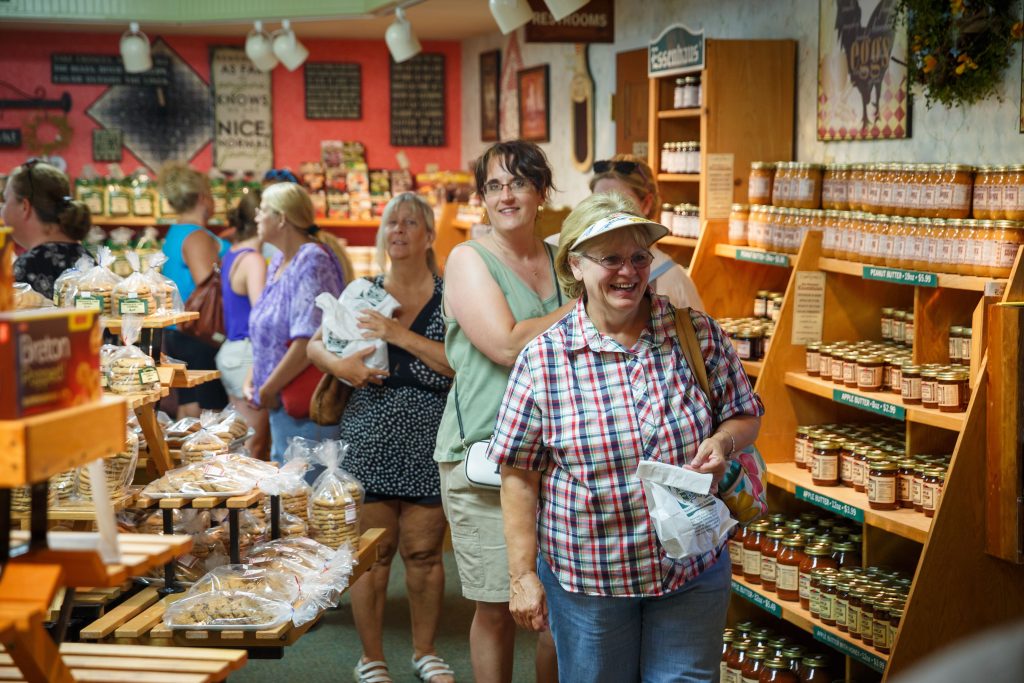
631, 177
500, 292
46, 222
604, 388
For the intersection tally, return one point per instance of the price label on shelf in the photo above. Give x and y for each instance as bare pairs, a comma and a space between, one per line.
902, 277
768, 258
849, 649
761, 601
831, 504
871, 405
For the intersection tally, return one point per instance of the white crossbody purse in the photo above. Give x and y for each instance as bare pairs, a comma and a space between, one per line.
479, 470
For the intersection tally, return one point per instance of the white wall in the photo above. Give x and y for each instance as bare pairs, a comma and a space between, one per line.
984, 133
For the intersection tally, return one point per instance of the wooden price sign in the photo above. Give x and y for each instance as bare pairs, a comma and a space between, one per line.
418, 102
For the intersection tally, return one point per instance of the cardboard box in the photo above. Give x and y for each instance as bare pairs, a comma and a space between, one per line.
49, 360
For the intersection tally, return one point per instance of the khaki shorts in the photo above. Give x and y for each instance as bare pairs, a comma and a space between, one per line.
478, 534
234, 360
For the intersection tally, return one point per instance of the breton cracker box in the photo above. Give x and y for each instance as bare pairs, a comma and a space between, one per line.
49, 359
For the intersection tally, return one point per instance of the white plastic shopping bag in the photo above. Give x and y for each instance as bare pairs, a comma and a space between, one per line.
342, 334
689, 520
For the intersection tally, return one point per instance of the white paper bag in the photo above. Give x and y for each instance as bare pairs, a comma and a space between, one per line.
689, 520
341, 331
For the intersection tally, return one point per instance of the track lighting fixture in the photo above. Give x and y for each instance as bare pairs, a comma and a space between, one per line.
135, 51
402, 43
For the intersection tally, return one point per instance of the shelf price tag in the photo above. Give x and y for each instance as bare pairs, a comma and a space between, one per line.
761, 601
831, 504
871, 405
902, 277
768, 258
848, 649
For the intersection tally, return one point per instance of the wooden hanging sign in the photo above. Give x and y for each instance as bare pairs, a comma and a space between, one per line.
592, 23
582, 98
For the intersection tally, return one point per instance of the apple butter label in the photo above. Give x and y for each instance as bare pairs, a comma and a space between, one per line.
871, 405
830, 504
149, 376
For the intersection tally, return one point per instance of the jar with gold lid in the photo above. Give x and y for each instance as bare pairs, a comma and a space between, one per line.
982, 179
754, 664
802, 447
929, 387
808, 186
838, 364
905, 482
910, 384
829, 181
899, 322
846, 554
737, 658
739, 216
827, 599
782, 184
771, 545
917, 486
859, 469
870, 369
728, 638
895, 617
841, 194
846, 457
914, 179
759, 185
908, 329
736, 550
953, 391
825, 463
880, 626
883, 485
752, 551
955, 332
818, 556
930, 190
965, 346
787, 568
954, 198
1013, 193
931, 490
872, 188
855, 187
850, 367
777, 670
812, 358
996, 199
1007, 238
825, 362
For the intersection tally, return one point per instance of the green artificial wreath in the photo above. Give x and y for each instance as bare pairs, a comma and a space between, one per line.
61, 138
960, 48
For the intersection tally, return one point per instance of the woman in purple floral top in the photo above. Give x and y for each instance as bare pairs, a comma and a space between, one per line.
285, 317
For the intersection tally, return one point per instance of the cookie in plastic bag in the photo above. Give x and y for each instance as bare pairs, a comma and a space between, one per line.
337, 498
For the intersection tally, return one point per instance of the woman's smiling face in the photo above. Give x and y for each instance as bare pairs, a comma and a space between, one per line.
509, 208
406, 234
613, 292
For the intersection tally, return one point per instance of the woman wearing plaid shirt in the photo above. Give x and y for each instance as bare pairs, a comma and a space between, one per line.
589, 398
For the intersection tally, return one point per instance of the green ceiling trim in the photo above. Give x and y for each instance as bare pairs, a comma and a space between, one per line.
184, 11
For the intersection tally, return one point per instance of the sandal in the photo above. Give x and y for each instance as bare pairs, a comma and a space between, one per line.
371, 672
429, 666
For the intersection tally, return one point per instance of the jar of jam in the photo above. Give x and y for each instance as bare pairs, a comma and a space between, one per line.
895, 617
815, 591
931, 490
728, 637
802, 447
1007, 238
886, 323
825, 463
759, 185
736, 550
842, 603
856, 601
738, 657
770, 547
838, 364
743, 629
953, 391
761, 636
751, 671
859, 469
827, 600
895, 367
787, 568
867, 618
738, 218
905, 481
880, 627
846, 464
776, 670
910, 385
965, 346
870, 371
812, 359
825, 362
815, 557
749, 343
845, 554
807, 194
752, 551
761, 303
883, 485
814, 669
929, 387
917, 486
899, 318
955, 332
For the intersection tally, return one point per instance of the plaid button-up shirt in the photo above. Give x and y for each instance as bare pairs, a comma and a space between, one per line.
584, 410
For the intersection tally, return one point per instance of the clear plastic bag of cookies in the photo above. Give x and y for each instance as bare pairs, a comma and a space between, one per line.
261, 581
290, 482
337, 498
231, 426
21, 498
94, 289
204, 443
118, 469
131, 371
67, 282
240, 462
165, 291
134, 294
26, 298
227, 610
206, 478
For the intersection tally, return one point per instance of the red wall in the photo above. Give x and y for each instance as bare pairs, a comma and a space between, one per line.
25, 63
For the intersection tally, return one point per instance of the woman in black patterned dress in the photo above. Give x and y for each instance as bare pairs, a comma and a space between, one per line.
46, 221
390, 424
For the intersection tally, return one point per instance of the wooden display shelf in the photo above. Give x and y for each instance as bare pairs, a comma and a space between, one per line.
143, 502
38, 447
691, 113
800, 617
753, 253
84, 512
142, 399
673, 241
845, 501
945, 280
347, 223
140, 618
752, 367
679, 177
887, 400
152, 322
178, 377
139, 554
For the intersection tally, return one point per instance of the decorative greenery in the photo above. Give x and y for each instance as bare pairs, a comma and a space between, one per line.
60, 139
960, 48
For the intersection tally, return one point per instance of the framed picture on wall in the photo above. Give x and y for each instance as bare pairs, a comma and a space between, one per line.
534, 103
490, 95
862, 77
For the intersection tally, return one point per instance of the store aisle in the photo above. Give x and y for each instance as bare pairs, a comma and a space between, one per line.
329, 651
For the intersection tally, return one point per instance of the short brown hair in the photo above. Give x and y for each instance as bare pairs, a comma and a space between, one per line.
520, 158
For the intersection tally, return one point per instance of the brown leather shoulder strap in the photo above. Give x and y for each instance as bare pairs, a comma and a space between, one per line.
691, 348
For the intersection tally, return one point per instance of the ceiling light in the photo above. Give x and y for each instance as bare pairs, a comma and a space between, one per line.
259, 49
287, 47
135, 50
400, 39
510, 14
560, 9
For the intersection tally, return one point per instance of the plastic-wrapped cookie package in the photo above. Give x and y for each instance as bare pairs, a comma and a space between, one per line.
290, 483
130, 370
227, 610
210, 477
337, 498
67, 282
134, 294
204, 443
266, 583
165, 291
119, 470
94, 289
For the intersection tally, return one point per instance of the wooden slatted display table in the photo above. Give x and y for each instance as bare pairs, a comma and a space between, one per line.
139, 620
152, 322
81, 516
178, 377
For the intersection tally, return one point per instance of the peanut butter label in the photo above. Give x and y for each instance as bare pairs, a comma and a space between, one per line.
902, 277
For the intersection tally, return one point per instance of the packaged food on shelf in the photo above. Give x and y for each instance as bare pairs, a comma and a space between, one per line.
260, 581
210, 477
227, 610
203, 443
337, 498
26, 298
118, 470
134, 294
130, 370
165, 291
67, 282
93, 290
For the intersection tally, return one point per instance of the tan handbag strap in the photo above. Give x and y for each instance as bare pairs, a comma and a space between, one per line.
691, 348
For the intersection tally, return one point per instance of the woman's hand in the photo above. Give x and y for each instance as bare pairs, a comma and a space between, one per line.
249, 390
712, 457
527, 602
269, 399
353, 369
379, 327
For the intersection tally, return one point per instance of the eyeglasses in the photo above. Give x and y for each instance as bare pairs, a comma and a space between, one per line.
614, 262
517, 185
623, 167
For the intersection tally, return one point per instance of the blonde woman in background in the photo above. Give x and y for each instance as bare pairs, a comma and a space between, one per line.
390, 424
192, 254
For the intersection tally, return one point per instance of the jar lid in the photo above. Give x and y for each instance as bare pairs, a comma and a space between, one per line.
815, 661
759, 652
828, 580
953, 376
741, 207
967, 332
870, 358
884, 466
930, 373
958, 168
793, 541
776, 533
777, 663
728, 634
1009, 225
762, 166
743, 645
911, 368
818, 549
826, 445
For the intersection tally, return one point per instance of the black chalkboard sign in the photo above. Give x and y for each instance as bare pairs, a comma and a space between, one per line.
79, 69
418, 102
334, 90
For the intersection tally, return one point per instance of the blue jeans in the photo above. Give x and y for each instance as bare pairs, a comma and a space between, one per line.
675, 637
283, 427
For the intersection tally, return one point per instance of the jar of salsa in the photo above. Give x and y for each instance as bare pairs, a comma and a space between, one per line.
825, 463
776, 670
734, 667
815, 557
845, 554
814, 669
728, 637
770, 547
787, 568
751, 671
736, 550
752, 551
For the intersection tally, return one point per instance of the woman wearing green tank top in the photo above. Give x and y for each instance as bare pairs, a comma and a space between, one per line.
500, 293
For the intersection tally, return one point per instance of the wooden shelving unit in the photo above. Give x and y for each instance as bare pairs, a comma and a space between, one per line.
752, 367
152, 322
